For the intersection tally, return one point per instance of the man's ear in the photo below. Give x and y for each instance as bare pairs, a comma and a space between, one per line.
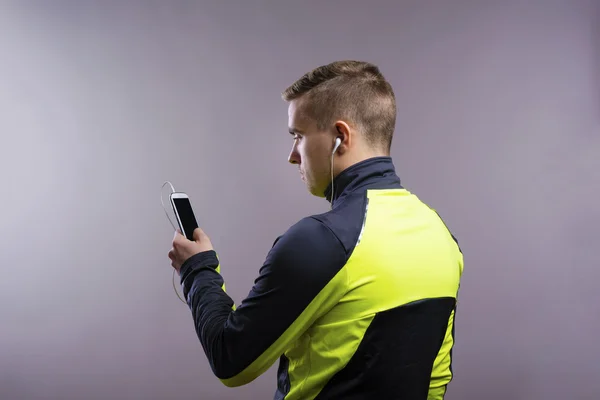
344, 132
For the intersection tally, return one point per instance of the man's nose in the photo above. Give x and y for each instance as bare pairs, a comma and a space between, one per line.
294, 157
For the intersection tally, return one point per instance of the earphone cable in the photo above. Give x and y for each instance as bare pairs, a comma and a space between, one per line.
332, 186
163, 203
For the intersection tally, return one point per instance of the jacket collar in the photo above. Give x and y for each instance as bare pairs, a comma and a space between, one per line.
375, 172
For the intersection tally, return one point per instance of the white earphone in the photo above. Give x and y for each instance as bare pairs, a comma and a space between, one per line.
338, 141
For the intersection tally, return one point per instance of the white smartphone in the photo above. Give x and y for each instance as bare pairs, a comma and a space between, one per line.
182, 207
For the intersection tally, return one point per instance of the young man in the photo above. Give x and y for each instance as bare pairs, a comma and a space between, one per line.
357, 302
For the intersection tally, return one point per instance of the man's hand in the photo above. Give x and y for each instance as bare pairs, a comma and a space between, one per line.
184, 248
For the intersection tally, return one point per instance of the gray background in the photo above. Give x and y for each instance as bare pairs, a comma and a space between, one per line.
101, 102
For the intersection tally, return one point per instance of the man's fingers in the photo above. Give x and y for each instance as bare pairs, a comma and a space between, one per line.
178, 239
198, 234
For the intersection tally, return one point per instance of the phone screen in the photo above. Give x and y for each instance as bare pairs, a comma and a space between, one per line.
187, 219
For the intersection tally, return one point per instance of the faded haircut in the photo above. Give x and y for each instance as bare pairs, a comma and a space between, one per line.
354, 91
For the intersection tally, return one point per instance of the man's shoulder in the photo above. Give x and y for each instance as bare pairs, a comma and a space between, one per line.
308, 245
328, 231
308, 230
346, 220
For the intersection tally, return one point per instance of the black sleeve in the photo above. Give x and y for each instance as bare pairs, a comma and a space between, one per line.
304, 264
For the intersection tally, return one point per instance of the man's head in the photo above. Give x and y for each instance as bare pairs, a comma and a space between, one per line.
346, 99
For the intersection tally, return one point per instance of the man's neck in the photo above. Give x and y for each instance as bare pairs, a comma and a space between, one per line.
377, 171
346, 161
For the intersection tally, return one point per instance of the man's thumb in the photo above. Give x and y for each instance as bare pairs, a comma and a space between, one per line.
198, 234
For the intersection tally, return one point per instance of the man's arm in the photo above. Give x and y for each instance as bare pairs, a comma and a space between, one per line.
301, 279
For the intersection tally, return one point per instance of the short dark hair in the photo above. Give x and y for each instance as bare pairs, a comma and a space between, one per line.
353, 90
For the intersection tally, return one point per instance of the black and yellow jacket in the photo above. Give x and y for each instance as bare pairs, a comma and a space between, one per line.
355, 303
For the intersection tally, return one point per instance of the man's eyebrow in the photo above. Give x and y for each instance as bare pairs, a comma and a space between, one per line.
293, 130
